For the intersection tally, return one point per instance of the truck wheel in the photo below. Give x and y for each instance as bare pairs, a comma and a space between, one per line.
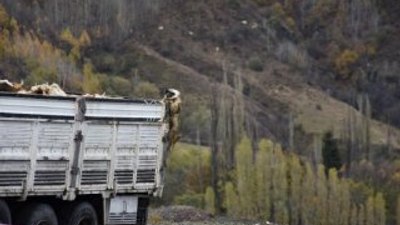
81, 214
36, 214
5, 215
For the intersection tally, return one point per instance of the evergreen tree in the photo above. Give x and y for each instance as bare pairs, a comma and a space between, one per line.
330, 152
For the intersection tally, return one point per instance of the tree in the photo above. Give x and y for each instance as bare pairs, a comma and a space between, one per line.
322, 196
361, 215
231, 201
210, 201
280, 187
91, 82
369, 211
215, 146
333, 197
308, 199
295, 191
379, 210
344, 202
330, 152
263, 174
398, 211
354, 215
246, 178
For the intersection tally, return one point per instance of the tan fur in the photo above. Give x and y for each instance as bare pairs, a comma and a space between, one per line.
7, 86
173, 107
46, 89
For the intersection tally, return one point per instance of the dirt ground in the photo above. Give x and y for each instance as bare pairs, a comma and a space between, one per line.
187, 215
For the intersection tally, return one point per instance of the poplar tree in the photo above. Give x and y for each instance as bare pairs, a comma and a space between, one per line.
231, 201
264, 175
333, 196
379, 210
280, 187
361, 215
369, 211
344, 202
246, 180
322, 196
307, 186
398, 211
210, 201
354, 215
295, 191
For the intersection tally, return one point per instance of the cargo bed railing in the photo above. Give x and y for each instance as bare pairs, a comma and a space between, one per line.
66, 145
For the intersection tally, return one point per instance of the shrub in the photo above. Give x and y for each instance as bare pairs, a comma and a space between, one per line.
91, 82
121, 86
190, 199
344, 61
288, 52
255, 64
146, 90
262, 2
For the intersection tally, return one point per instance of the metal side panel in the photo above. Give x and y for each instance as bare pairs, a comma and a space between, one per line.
95, 174
147, 160
124, 110
16, 137
12, 175
97, 141
37, 106
55, 140
125, 157
50, 175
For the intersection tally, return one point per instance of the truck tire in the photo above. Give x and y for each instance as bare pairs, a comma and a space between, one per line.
36, 214
78, 214
5, 214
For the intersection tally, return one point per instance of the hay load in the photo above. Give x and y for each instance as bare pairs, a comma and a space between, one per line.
7, 86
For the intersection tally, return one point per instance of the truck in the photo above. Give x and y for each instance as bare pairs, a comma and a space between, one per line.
75, 160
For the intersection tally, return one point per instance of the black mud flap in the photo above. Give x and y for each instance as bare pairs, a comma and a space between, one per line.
142, 212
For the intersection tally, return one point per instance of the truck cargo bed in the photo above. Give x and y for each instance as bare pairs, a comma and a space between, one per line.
57, 145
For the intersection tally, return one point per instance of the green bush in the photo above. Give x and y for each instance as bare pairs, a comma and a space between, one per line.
191, 199
121, 86
146, 90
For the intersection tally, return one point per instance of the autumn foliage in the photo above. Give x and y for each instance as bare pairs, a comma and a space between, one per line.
280, 187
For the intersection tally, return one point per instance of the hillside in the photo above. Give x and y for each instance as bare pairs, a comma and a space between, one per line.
256, 39
290, 71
